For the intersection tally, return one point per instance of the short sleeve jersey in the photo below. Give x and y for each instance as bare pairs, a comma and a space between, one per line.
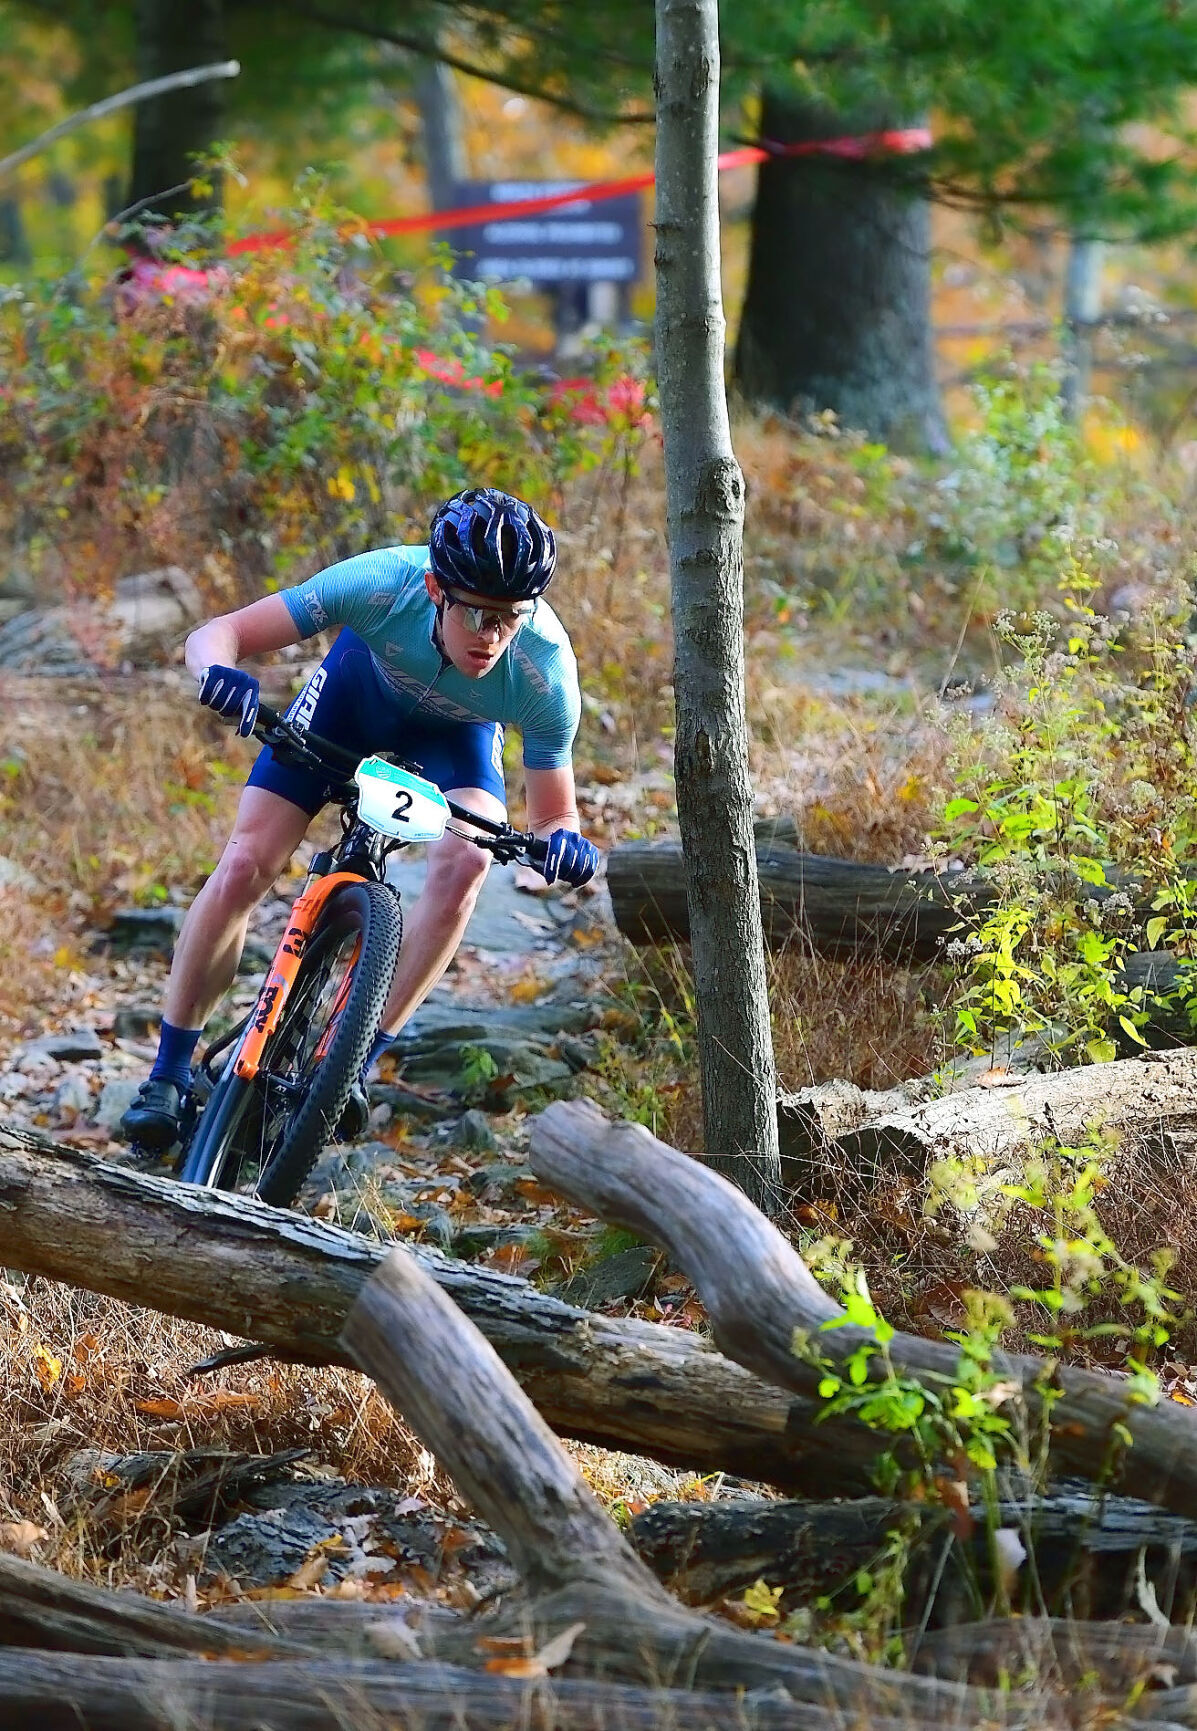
382, 597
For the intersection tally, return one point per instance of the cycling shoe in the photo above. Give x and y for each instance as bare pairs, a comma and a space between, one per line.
355, 1115
157, 1118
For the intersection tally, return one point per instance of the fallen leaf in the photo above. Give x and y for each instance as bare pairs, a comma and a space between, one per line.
47, 1368
516, 1667
558, 1650
310, 1572
159, 1408
21, 1536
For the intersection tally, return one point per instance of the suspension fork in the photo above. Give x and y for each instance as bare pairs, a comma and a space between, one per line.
276, 988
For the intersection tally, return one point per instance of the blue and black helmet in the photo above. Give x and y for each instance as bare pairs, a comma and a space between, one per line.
492, 544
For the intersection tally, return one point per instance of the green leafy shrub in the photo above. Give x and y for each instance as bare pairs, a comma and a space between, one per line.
300, 404
1076, 799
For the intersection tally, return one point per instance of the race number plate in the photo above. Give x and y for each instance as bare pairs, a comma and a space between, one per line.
396, 802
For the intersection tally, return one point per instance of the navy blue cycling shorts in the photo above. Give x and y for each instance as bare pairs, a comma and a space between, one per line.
346, 700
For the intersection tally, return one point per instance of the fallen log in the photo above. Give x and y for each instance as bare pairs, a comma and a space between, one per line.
1085, 1553
103, 1694
41, 1608
583, 1583
841, 908
847, 910
289, 1281
764, 1304
838, 1137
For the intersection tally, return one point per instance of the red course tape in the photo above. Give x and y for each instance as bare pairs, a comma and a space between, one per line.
905, 141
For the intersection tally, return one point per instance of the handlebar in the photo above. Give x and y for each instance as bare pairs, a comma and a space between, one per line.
272, 728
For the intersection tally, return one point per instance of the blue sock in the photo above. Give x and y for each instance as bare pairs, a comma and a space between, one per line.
382, 1043
175, 1049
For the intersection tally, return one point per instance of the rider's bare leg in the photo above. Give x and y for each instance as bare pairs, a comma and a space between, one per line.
267, 832
436, 923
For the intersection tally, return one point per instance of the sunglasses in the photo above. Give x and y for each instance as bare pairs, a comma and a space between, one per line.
480, 619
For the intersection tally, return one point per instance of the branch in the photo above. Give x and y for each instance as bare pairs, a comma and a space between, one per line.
110, 104
432, 50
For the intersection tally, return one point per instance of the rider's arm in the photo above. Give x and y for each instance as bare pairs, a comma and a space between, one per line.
551, 800
233, 637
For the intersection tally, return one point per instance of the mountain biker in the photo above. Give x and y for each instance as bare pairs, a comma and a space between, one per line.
441, 647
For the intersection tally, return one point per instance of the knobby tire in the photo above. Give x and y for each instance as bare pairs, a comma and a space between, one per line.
241, 1125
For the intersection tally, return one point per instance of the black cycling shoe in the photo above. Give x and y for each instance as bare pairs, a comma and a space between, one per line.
156, 1119
355, 1114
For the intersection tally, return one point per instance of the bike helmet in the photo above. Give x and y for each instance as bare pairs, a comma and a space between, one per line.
492, 544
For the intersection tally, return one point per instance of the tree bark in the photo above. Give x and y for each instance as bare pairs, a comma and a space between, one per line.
579, 1572
705, 512
289, 1281
169, 131
831, 1139
764, 1304
1090, 1553
837, 309
56, 1693
444, 144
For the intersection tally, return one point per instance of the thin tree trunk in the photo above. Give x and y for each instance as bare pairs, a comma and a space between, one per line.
169, 131
837, 310
705, 510
440, 119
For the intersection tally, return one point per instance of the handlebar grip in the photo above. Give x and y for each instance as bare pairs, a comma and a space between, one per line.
537, 851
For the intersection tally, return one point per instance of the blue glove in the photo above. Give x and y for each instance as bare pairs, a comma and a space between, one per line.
232, 694
570, 858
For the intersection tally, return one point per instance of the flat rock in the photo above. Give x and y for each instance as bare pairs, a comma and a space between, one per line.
626, 1274
70, 1048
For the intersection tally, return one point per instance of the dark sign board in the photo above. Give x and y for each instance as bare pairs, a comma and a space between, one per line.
587, 240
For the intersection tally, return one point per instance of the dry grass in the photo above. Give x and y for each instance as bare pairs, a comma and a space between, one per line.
82, 1371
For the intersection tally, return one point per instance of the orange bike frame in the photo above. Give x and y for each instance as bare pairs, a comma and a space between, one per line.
272, 999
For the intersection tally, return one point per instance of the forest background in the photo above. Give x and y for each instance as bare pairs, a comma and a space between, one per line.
968, 621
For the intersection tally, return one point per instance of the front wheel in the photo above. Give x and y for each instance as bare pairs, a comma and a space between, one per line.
266, 1135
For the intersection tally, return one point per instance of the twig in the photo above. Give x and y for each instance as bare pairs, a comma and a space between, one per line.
135, 93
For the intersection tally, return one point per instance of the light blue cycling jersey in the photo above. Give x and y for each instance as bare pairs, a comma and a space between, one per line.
382, 597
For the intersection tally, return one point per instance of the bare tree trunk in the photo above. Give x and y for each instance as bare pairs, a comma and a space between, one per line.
444, 145
173, 35
705, 510
837, 313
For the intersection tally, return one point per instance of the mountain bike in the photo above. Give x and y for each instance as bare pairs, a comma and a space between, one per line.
270, 1092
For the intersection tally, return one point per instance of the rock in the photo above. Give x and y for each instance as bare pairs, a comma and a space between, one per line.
115, 1100
264, 1550
145, 928
14, 876
72, 1048
476, 1240
500, 1178
136, 1021
626, 1274
146, 614
73, 1095
475, 1132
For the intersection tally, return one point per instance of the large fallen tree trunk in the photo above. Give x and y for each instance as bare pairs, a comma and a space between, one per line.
54, 1693
768, 1312
1091, 1552
837, 1139
290, 1281
583, 1583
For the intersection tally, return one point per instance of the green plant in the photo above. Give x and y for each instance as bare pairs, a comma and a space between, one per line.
1077, 801
1018, 477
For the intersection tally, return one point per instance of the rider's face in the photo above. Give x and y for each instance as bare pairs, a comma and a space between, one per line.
473, 644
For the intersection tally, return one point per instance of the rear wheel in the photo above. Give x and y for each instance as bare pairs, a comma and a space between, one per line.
266, 1135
